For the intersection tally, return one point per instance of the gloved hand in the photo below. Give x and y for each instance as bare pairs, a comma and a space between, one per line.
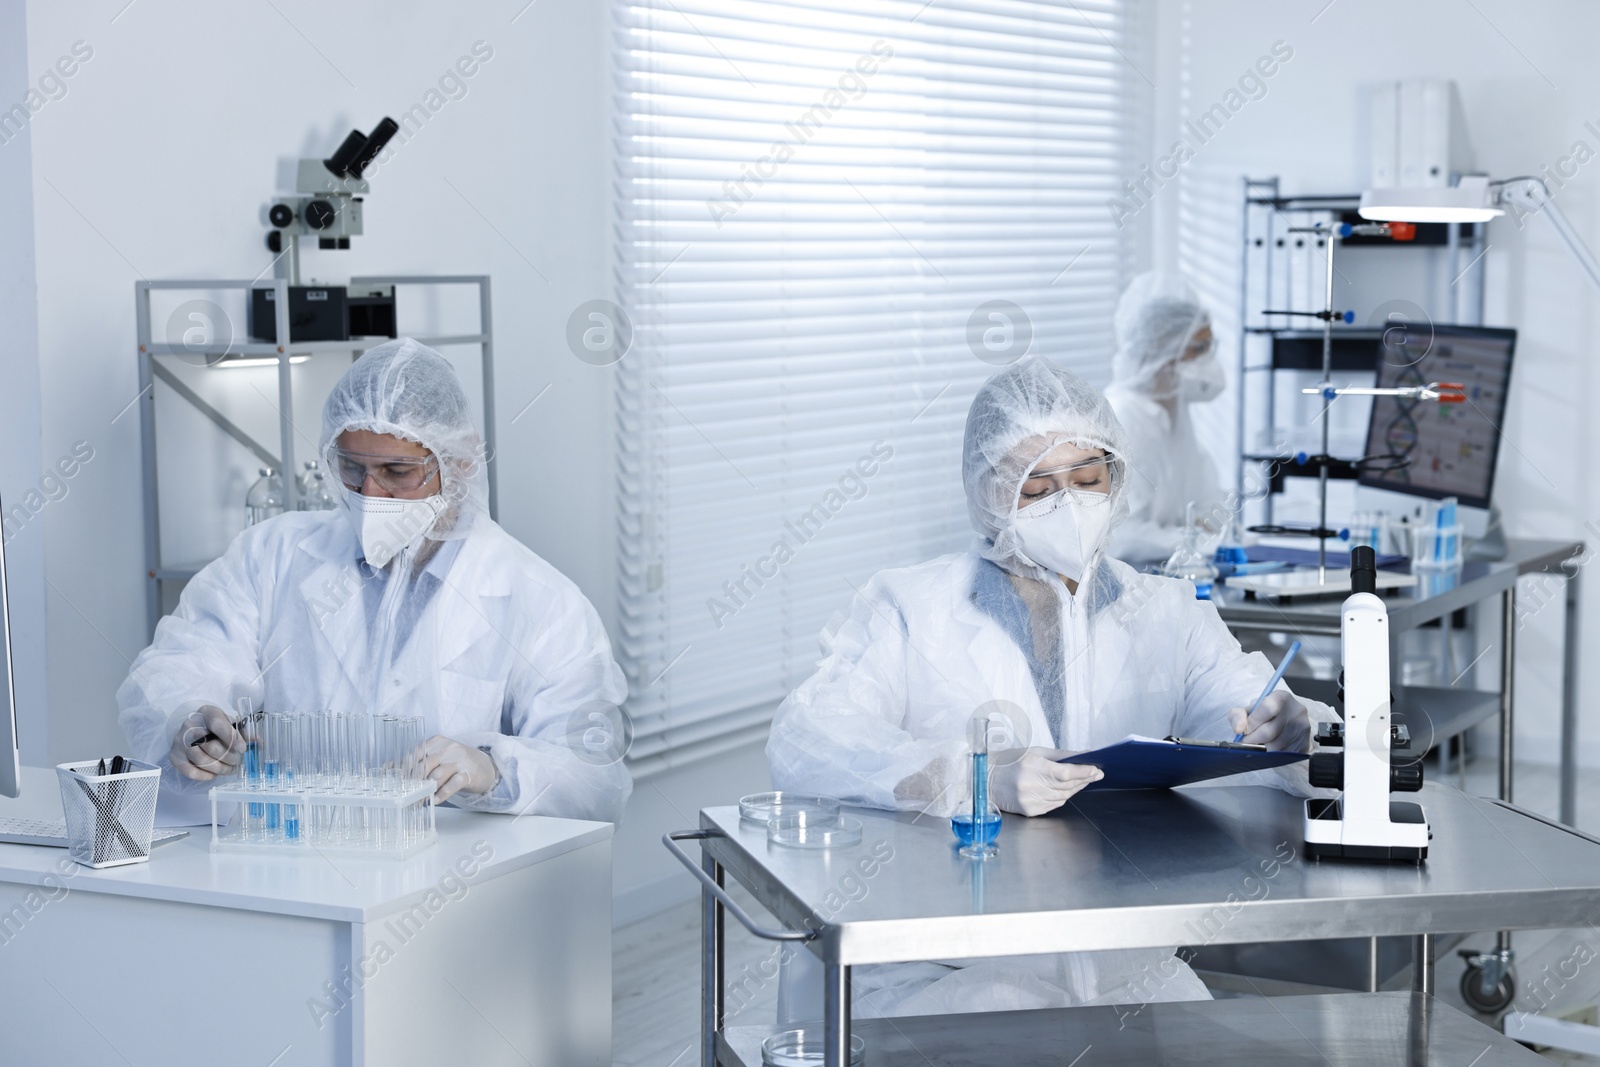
1031, 782
457, 768
210, 759
1281, 723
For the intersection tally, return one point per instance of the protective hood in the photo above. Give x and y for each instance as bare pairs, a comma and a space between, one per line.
1017, 416
408, 390
1156, 316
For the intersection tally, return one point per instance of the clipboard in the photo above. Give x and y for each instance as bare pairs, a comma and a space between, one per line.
1147, 763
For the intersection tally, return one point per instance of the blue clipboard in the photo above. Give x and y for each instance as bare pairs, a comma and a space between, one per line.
1145, 763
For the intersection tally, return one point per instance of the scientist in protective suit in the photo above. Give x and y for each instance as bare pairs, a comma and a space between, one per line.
1038, 616
407, 600
1165, 363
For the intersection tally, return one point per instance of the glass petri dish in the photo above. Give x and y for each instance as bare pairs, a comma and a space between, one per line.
803, 1048
810, 829
764, 807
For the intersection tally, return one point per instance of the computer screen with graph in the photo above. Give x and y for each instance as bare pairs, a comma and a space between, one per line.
1440, 450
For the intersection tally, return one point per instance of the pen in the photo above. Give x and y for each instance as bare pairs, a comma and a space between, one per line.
1288, 658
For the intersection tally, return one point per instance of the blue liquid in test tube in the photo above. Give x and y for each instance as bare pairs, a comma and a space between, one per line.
274, 811
291, 812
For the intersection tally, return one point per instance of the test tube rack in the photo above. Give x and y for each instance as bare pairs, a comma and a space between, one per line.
391, 823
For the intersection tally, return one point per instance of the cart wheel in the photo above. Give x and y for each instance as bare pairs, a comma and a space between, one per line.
1496, 1000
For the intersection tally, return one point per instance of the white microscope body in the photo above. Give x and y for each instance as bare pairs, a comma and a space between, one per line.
1363, 822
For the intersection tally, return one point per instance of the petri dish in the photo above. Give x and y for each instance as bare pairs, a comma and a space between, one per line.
803, 1048
810, 829
764, 807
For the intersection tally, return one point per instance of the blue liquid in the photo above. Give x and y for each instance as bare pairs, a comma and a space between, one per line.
291, 813
252, 774
274, 811
988, 829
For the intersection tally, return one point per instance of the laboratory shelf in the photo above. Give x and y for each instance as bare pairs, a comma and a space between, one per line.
1354, 1029
1436, 714
302, 348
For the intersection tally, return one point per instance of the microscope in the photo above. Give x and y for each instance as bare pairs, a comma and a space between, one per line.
1363, 822
327, 207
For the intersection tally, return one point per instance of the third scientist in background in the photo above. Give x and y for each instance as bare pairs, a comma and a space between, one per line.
1165, 361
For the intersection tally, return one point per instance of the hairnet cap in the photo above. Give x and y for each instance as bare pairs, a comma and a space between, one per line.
1017, 416
1156, 316
408, 390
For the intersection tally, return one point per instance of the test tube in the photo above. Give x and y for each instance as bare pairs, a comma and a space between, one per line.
253, 812
291, 811
274, 725
410, 776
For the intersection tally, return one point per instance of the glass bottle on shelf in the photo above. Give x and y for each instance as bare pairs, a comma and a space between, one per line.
265, 498
313, 490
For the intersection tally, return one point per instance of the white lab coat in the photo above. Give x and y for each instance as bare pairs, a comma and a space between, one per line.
1167, 468
502, 658
893, 697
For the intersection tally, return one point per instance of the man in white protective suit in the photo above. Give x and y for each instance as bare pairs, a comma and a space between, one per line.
407, 600
1038, 618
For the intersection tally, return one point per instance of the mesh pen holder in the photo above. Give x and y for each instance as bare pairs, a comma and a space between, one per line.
110, 817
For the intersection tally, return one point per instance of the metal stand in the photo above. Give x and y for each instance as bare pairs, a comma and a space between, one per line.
151, 370
1261, 230
1489, 984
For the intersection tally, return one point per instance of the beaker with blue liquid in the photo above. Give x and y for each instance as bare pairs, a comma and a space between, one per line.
978, 826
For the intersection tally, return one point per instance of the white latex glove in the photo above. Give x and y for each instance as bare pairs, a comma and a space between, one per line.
457, 768
206, 760
1031, 782
1281, 723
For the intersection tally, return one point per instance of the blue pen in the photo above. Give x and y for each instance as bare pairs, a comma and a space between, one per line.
1288, 658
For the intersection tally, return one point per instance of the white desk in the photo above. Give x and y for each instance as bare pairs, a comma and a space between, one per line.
491, 947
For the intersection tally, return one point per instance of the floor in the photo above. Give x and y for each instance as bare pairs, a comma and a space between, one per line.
656, 969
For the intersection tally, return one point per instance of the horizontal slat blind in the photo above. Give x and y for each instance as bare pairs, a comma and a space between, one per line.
814, 198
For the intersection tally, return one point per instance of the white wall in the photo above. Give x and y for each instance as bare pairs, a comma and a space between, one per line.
1528, 81
21, 466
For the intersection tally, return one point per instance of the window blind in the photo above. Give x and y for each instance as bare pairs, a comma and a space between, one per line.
818, 203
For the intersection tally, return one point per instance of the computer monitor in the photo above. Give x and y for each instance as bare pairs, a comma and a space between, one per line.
10, 758
1449, 449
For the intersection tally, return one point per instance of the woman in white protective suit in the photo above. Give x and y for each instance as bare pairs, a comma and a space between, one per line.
1037, 616
1165, 361
407, 600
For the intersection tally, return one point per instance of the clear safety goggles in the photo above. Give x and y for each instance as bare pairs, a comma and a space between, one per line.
1198, 349
395, 474
1088, 483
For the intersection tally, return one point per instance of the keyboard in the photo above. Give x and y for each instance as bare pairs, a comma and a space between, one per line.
53, 832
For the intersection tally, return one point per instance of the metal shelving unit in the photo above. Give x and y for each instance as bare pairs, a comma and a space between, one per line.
1265, 248
151, 370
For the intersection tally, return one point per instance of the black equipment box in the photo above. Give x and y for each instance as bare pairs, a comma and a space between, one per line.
324, 313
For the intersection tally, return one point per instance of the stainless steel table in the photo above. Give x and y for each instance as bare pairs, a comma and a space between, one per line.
1132, 870
1437, 712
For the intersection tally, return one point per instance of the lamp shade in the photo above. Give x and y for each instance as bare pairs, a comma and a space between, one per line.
1471, 201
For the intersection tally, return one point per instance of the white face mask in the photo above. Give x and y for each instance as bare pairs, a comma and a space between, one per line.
1201, 379
1061, 535
387, 526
